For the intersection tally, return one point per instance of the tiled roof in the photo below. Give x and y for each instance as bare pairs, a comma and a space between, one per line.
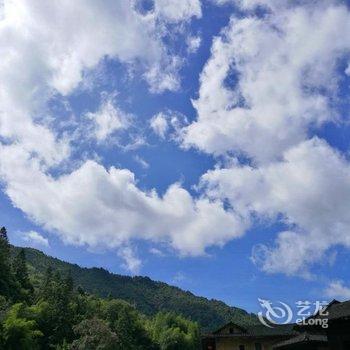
277, 330
302, 338
258, 331
336, 310
243, 329
339, 310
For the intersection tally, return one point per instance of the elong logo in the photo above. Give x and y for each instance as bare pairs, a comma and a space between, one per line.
280, 313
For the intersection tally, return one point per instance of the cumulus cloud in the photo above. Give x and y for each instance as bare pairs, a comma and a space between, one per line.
163, 77
101, 207
309, 189
157, 252
337, 290
168, 123
35, 238
113, 29
159, 124
131, 262
108, 119
193, 43
52, 51
175, 11
269, 4
269, 80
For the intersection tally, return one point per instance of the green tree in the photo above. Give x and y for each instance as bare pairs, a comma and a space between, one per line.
22, 277
94, 334
19, 332
6, 277
4, 306
86, 307
173, 332
54, 310
68, 281
46, 285
126, 322
3, 233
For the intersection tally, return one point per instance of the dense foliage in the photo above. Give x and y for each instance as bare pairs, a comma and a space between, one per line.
149, 297
46, 311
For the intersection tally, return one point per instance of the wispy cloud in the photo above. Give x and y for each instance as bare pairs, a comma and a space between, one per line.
157, 252
337, 290
35, 238
131, 262
141, 161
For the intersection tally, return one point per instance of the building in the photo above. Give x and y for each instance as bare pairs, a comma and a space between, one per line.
257, 337
338, 331
313, 336
304, 341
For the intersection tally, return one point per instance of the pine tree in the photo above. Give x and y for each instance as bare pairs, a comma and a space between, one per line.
3, 234
68, 281
6, 277
56, 296
21, 274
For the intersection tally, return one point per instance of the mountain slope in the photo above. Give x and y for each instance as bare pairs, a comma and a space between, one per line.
147, 295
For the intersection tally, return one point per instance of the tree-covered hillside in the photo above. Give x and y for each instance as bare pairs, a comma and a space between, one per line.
53, 313
146, 295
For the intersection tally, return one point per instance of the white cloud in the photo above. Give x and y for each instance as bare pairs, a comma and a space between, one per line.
104, 208
35, 238
270, 4
337, 290
164, 77
108, 119
156, 251
179, 277
269, 83
309, 190
285, 66
141, 161
269, 80
193, 43
1, 9
52, 49
51, 34
347, 70
169, 123
175, 11
131, 261
159, 124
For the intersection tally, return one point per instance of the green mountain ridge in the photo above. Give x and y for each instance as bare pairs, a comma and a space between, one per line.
146, 295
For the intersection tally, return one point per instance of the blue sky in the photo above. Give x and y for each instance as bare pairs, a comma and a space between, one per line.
203, 144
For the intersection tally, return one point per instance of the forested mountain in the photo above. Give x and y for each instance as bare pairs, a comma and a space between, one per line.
45, 310
148, 296
46, 303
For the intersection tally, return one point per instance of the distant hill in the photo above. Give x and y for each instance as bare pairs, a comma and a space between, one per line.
147, 295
